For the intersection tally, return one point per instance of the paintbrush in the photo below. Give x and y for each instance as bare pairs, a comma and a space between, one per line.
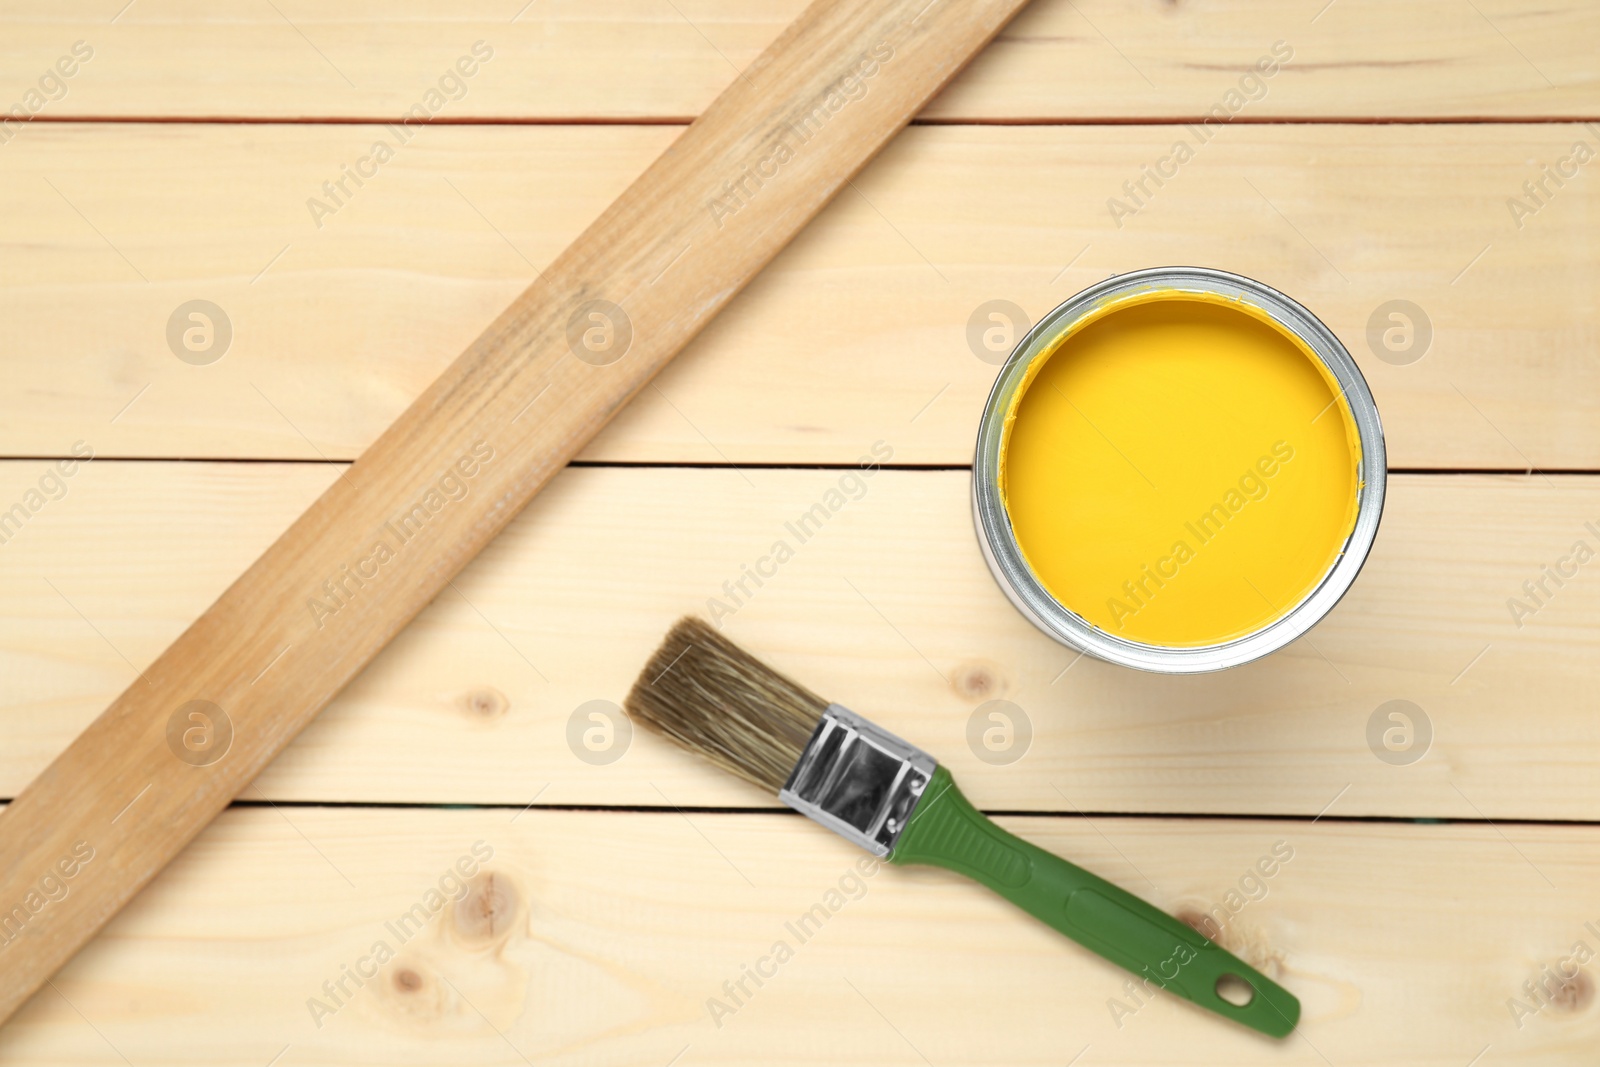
713, 698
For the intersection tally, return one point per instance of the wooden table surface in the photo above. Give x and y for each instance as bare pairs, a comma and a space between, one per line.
1444, 870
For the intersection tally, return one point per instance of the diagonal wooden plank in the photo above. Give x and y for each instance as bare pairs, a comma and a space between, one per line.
455, 467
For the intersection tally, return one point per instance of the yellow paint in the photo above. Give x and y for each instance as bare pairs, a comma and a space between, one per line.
1179, 470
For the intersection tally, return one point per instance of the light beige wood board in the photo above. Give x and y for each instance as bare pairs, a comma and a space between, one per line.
859, 327
426, 493
603, 936
649, 59
886, 608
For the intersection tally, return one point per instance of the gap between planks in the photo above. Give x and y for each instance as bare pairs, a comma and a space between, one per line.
685, 120
771, 465
1002, 813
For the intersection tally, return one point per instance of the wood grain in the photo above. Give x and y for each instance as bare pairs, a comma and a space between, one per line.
855, 330
387, 537
606, 934
474, 703
637, 59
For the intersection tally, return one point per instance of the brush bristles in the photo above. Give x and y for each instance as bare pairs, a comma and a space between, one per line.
715, 699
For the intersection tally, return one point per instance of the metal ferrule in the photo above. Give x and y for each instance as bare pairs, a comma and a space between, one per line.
858, 780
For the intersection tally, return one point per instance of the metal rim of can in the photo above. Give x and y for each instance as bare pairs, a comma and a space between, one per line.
999, 543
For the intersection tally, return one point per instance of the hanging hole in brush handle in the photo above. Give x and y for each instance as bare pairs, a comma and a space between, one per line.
947, 831
1235, 990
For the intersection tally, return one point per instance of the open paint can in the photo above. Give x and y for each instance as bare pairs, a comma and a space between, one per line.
1178, 469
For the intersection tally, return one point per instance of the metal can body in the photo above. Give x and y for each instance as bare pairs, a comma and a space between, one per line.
999, 542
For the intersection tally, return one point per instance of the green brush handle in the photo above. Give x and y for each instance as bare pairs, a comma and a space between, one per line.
947, 831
